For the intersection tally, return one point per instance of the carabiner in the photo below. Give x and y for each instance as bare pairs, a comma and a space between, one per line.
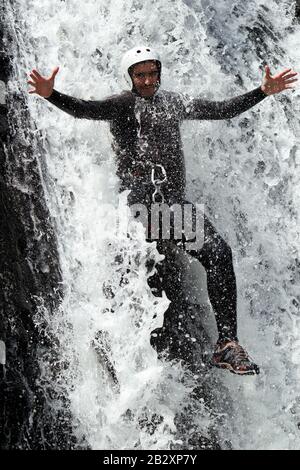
157, 184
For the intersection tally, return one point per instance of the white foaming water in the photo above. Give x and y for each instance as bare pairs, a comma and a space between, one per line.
247, 169
248, 173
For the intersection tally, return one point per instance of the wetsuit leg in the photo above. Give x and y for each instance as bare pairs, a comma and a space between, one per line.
167, 276
216, 257
173, 338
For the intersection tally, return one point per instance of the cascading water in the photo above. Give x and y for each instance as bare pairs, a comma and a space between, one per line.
253, 197
240, 166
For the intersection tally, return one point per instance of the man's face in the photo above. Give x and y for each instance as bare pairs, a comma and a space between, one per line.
145, 78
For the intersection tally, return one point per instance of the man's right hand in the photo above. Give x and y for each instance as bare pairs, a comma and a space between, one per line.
42, 86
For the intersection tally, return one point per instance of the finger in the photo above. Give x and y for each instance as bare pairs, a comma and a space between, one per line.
54, 73
31, 92
284, 72
34, 77
291, 81
267, 71
290, 87
290, 75
31, 83
37, 73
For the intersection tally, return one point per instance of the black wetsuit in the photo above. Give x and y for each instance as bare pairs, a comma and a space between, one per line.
146, 131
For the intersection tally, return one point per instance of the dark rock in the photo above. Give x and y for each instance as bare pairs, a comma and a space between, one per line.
297, 9
27, 243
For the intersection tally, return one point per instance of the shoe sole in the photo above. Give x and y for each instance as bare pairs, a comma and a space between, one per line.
224, 365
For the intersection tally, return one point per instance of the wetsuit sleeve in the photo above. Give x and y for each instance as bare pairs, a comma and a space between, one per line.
197, 108
105, 109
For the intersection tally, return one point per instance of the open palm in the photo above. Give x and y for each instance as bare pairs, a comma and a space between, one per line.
277, 83
41, 85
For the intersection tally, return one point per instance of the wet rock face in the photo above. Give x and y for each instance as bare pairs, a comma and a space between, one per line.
297, 9
29, 277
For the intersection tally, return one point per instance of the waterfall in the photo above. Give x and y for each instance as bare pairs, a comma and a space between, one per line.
244, 170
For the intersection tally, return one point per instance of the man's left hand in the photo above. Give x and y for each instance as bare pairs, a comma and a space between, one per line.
277, 83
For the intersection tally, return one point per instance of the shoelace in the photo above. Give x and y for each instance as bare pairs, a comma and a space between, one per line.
238, 351
241, 354
236, 355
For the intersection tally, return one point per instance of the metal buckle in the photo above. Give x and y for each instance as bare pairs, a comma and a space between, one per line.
157, 184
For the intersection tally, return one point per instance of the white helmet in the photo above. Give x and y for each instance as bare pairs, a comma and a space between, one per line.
134, 56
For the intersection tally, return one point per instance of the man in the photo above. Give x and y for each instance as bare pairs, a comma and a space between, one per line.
145, 123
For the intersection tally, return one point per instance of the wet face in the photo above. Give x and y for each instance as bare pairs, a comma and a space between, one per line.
145, 78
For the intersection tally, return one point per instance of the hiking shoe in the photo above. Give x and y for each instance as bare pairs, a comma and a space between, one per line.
230, 355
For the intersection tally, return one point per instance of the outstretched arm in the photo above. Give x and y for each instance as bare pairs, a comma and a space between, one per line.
202, 109
105, 109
